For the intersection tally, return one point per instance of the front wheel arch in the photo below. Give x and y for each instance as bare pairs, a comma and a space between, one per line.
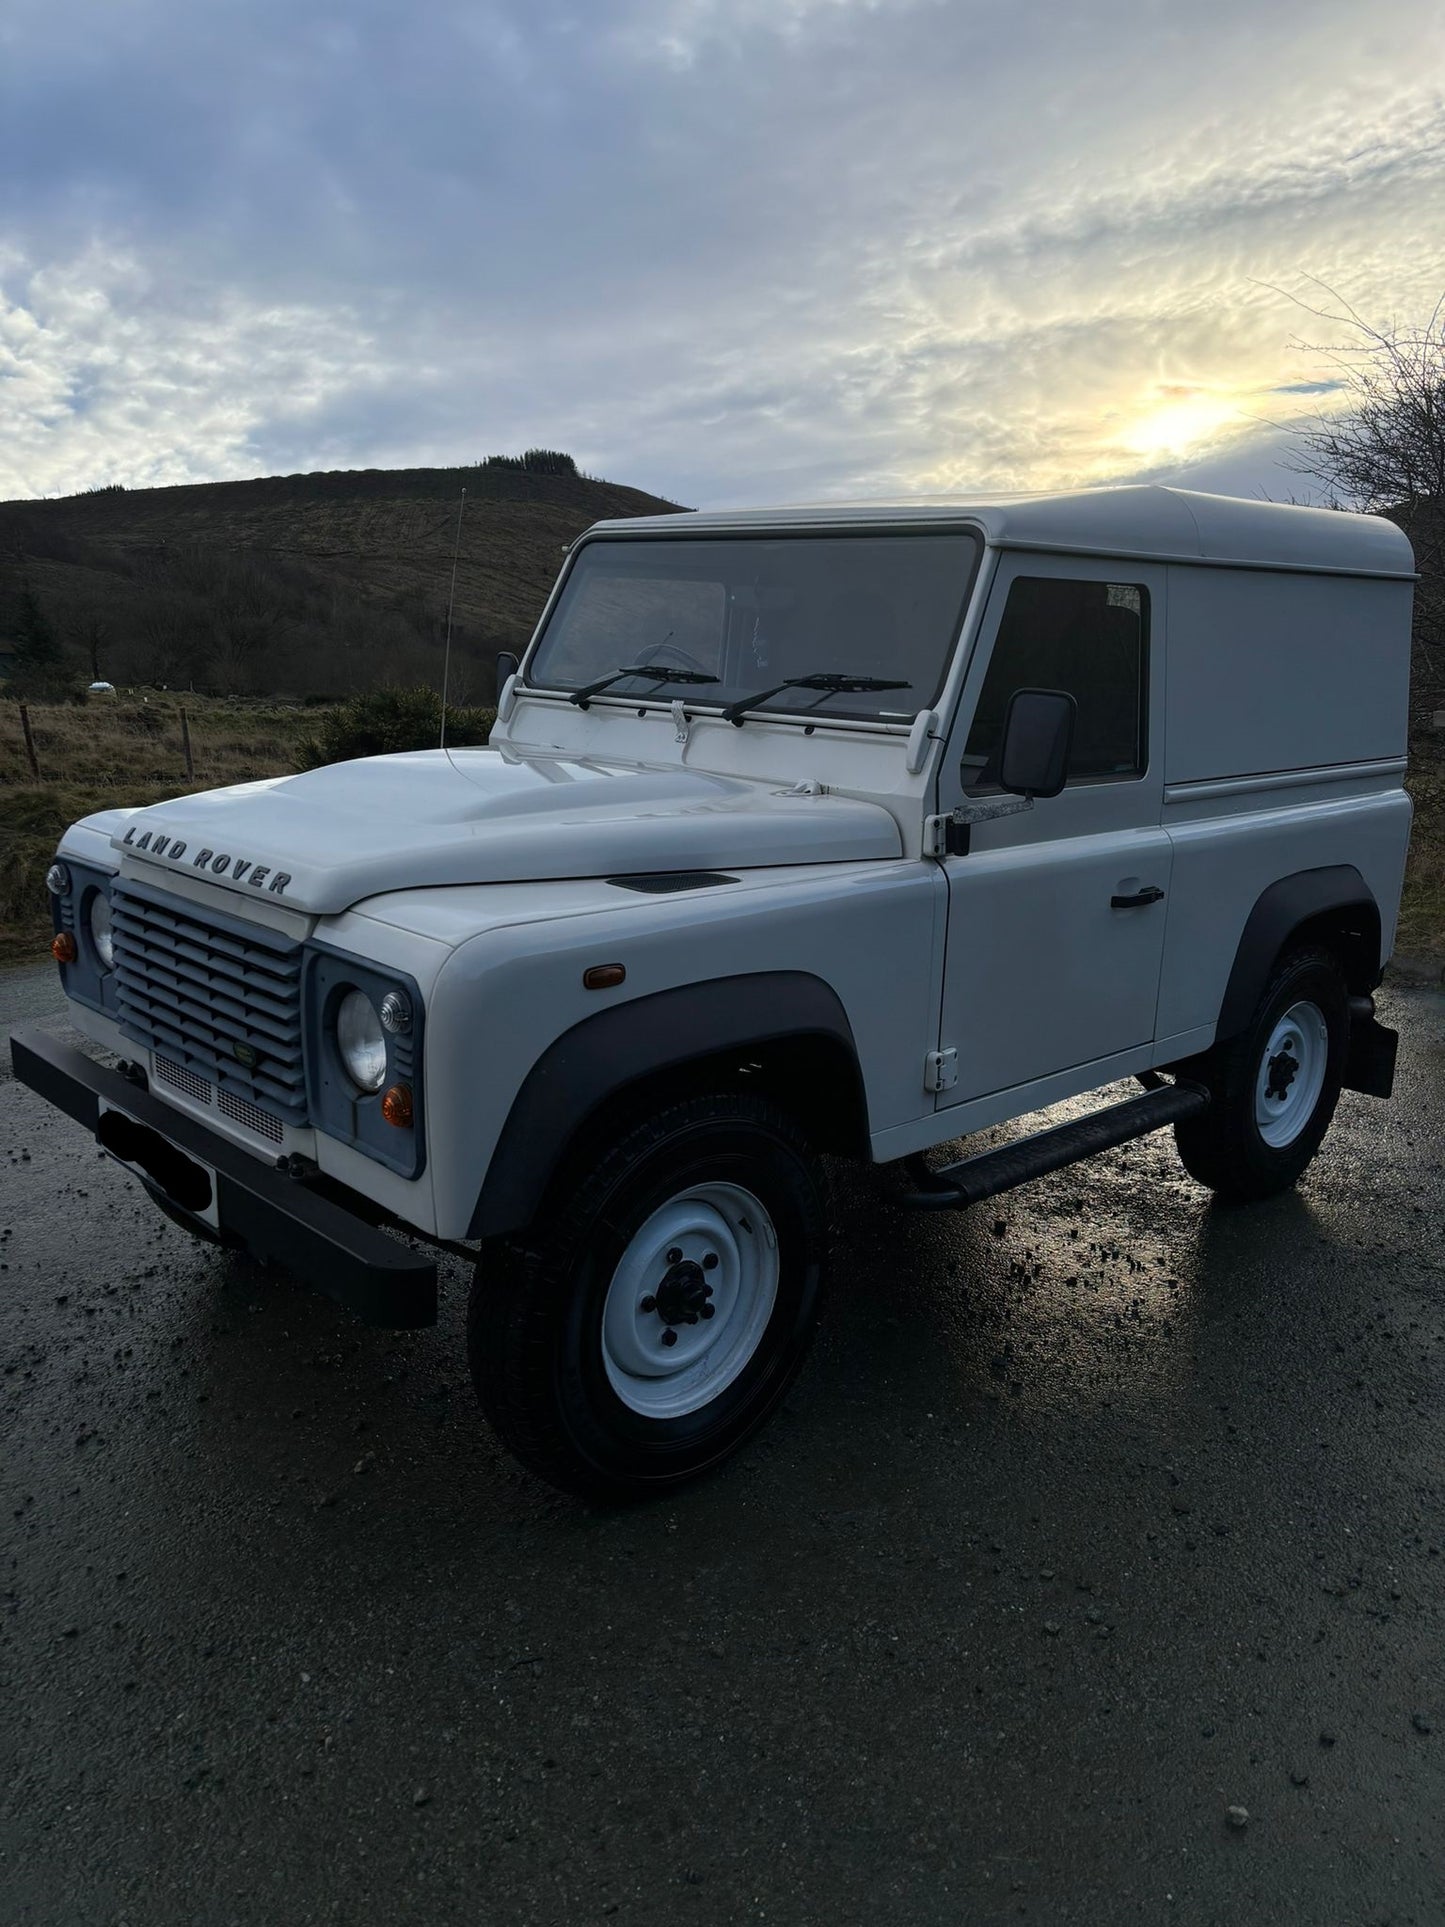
782, 1034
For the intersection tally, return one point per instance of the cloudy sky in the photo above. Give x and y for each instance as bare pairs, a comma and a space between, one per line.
722, 249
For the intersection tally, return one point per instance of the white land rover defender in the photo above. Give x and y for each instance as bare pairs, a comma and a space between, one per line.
842, 831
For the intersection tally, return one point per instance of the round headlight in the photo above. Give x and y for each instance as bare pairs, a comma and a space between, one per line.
57, 879
100, 931
361, 1041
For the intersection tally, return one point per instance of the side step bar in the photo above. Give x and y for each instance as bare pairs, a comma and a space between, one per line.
953, 1186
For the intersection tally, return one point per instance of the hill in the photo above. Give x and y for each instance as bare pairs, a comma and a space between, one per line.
302, 585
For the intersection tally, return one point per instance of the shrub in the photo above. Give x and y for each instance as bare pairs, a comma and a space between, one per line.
384, 721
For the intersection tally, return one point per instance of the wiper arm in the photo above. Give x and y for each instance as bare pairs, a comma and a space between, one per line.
830, 685
583, 696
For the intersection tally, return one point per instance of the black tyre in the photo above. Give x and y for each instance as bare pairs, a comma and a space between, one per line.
662, 1303
1275, 1086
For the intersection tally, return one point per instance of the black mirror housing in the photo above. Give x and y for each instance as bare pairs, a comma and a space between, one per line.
1038, 737
507, 665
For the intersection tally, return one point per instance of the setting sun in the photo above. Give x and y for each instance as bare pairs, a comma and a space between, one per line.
1180, 422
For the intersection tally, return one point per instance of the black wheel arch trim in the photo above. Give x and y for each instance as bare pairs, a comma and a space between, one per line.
1280, 913
599, 1058
1288, 907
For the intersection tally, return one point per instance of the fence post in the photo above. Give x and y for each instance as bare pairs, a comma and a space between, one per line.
29, 742
186, 746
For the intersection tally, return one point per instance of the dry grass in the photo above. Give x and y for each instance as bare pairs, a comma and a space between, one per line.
110, 755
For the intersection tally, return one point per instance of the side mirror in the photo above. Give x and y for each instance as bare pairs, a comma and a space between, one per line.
506, 666
1038, 735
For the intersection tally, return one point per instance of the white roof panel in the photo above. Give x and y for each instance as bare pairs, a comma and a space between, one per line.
1165, 523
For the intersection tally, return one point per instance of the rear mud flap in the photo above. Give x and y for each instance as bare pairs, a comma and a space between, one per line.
1370, 1065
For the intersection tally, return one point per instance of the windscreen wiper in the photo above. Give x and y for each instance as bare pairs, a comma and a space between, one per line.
583, 696
735, 713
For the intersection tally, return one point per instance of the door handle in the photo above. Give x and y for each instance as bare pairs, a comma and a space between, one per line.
1151, 893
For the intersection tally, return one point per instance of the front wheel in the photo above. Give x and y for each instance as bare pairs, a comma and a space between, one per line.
1274, 1088
660, 1307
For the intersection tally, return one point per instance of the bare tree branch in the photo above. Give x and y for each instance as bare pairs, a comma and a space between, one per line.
1384, 452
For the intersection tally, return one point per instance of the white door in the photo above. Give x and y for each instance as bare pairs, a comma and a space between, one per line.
1056, 915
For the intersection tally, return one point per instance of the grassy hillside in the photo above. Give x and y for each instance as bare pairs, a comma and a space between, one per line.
300, 584
321, 586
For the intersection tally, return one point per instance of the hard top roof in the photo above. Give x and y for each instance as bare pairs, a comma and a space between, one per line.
1146, 521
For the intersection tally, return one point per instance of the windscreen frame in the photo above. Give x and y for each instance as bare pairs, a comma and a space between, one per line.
790, 706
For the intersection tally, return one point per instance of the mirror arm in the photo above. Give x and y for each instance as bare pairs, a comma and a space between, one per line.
993, 810
952, 834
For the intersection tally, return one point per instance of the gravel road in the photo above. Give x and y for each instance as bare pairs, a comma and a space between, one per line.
1093, 1573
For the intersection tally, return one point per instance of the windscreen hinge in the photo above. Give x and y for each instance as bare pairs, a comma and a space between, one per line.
942, 836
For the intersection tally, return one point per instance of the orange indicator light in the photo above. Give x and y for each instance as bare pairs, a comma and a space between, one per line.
62, 947
396, 1107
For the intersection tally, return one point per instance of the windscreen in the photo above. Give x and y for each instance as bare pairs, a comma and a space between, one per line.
755, 612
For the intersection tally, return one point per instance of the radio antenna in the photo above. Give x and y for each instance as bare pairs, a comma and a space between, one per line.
451, 604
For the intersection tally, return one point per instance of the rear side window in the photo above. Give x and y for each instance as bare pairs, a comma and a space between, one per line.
1089, 638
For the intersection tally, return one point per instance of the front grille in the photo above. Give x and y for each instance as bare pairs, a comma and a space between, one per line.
195, 985
198, 1088
239, 1110
250, 1117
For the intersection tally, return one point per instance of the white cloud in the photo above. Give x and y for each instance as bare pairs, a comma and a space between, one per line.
108, 374
721, 248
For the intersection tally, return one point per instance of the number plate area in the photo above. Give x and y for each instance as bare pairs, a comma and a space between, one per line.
184, 1179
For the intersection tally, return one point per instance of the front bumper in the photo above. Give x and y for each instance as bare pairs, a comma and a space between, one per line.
274, 1217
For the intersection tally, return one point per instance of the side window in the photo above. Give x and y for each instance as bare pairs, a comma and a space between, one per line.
1090, 638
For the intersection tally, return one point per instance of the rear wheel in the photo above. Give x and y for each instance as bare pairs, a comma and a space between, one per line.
660, 1307
1274, 1087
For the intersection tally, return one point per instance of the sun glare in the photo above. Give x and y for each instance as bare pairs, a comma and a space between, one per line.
1180, 423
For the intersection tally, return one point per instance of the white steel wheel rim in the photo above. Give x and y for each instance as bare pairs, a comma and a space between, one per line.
1291, 1074
712, 1239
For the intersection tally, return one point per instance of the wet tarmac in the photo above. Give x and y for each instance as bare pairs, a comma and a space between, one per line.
1093, 1572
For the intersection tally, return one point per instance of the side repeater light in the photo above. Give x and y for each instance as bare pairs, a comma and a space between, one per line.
604, 976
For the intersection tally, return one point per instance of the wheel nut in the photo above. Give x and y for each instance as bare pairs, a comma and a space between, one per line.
709, 1310
674, 1254
649, 1303
709, 1263
669, 1337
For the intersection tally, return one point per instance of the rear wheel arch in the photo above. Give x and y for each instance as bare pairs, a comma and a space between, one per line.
783, 1034
1332, 908
1273, 1087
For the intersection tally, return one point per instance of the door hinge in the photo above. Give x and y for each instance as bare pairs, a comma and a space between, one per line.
940, 1070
